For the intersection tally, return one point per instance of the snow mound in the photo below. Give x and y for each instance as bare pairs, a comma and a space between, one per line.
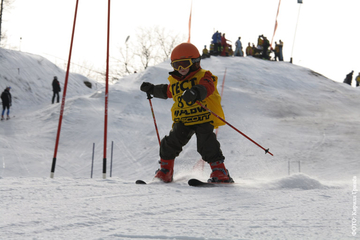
30, 77
299, 181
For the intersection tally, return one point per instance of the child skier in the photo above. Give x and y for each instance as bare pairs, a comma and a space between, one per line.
189, 83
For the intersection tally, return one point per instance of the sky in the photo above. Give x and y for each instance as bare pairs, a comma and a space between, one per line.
325, 32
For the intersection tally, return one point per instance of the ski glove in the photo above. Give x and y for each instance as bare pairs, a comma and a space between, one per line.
147, 87
190, 96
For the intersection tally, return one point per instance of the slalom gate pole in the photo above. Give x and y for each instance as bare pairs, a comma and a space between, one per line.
207, 109
111, 161
153, 114
92, 162
64, 96
222, 91
106, 91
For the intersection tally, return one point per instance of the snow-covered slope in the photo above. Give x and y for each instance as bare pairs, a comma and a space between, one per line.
30, 77
309, 122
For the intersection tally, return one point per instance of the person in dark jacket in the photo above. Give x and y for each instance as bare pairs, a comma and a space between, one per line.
281, 45
6, 102
56, 90
266, 45
348, 79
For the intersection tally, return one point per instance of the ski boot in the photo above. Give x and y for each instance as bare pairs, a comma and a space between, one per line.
2, 117
165, 173
8, 117
219, 173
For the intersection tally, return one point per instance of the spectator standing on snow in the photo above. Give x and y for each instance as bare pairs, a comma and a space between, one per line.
266, 45
249, 50
281, 44
189, 83
6, 102
224, 45
216, 42
260, 41
348, 79
56, 90
205, 53
358, 80
238, 49
277, 51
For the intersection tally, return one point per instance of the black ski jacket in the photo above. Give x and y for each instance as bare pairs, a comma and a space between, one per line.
6, 98
56, 86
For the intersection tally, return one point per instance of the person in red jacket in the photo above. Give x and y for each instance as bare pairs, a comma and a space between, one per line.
189, 83
224, 45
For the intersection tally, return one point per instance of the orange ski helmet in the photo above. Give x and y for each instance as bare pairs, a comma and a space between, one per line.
184, 51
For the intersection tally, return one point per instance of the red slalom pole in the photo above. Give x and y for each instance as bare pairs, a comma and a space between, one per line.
207, 109
64, 96
190, 23
153, 114
221, 95
106, 91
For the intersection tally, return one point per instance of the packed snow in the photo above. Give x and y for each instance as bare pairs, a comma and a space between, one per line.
307, 190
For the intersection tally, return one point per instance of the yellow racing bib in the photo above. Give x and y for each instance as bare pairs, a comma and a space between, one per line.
195, 114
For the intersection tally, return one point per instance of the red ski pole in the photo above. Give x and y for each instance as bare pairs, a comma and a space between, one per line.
207, 109
153, 114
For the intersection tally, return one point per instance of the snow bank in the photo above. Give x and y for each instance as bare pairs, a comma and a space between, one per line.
30, 77
297, 181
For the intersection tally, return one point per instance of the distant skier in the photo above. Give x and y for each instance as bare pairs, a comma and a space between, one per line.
348, 79
6, 102
189, 83
56, 90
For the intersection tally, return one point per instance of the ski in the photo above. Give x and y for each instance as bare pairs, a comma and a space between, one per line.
194, 183
140, 182
198, 183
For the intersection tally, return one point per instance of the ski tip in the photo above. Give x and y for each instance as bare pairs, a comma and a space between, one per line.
197, 183
140, 182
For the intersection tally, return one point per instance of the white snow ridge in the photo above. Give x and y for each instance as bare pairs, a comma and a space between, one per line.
310, 123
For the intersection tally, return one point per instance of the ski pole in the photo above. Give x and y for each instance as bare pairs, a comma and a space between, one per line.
207, 109
153, 114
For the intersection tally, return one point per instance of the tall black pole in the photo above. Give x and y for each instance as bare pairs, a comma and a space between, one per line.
1, 11
292, 50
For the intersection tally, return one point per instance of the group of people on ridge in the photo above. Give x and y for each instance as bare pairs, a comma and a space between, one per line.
263, 49
220, 46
